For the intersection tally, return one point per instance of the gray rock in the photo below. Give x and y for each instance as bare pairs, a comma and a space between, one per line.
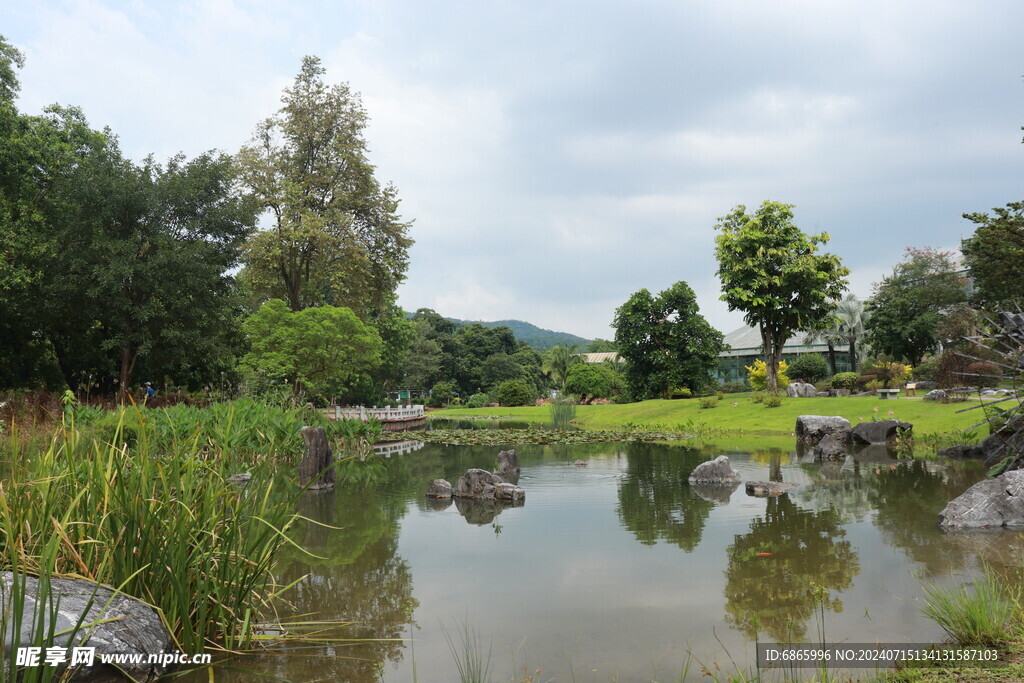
477, 484
508, 462
441, 488
935, 395
128, 625
811, 429
831, 447
822, 394
509, 492
990, 503
716, 472
961, 452
316, 470
801, 390
762, 489
878, 432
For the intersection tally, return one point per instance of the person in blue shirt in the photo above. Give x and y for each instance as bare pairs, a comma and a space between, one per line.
150, 392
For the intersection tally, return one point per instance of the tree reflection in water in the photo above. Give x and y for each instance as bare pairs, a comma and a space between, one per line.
774, 593
656, 501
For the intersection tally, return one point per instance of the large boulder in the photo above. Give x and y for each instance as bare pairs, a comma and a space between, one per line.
801, 390
811, 429
508, 462
990, 503
476, 484
718, 472
882, 431
831, 447
935, 395
508, 492
441, 488
111, 622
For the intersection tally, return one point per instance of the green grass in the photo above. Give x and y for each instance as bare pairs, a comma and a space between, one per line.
988, 614
747, 416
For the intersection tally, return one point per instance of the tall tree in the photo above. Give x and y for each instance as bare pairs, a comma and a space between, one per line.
773, 272
908, 306
994, 254
666, 342
336, 237
558, 361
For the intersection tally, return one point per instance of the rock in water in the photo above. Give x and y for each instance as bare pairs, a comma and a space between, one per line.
879, 432
123, 625
830, 448
508, 462
317, 465
510, 492
761, 489
717, 471
477, 484
811, 429
991, 503
441, 488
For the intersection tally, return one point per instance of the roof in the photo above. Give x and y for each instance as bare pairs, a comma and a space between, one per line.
746, 341
600, 357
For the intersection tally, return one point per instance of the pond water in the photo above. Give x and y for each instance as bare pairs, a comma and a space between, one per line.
619, 570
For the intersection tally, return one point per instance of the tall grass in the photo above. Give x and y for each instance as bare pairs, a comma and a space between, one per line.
474, 666
145, 506
986, 615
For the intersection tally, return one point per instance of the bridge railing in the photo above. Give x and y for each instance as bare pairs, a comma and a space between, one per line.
382, 414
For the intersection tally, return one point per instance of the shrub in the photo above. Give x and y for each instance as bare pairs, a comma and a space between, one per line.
478, 400
758, 374
844, 380
708, 401
758, 397
772, 400
981, 374
683, 392
874, 385
733, 387
514, 392
889, 373
926, 369
810, 367
983, 616
863, 381
441, 394
950, 370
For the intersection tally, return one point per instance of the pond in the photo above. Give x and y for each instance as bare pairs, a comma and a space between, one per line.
619, 570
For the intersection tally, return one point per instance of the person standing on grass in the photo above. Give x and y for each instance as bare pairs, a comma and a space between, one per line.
150, 392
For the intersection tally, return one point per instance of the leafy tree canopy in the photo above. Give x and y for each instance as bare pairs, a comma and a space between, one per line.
336, 237
666, 342
773, 272
995, 252
908, 306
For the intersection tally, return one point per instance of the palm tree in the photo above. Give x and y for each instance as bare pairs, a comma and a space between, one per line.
557, 362
851, 318
829, 332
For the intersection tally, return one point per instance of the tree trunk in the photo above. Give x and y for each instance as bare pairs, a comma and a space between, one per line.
124, 377
771, 367
853, 355
832, 357
317, 467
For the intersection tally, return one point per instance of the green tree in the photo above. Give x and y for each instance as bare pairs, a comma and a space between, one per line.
336, 237
514, 392
908, 306
590, 381
318, 348
773, 272
994, 254
558, 361
666, 342
810, 367
422, 365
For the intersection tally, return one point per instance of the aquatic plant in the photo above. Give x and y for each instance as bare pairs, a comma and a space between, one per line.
982, 616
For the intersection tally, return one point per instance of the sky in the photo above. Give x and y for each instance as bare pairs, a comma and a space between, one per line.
557, 157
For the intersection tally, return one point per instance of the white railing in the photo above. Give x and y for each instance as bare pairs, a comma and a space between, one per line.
397, 448
382, 414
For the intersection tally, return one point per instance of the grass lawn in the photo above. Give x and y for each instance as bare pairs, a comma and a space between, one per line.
928, 417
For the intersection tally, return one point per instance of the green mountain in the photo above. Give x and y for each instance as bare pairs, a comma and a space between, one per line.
531, 334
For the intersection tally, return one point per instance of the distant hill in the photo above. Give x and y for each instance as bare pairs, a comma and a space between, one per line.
531, 334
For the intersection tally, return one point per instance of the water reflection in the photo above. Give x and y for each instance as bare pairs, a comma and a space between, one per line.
773, 569
656, 501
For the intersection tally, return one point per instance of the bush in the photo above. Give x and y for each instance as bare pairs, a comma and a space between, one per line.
733, 387
874, 385
950, 370
982, 374
514, 392
758, 374
890, 373
772, 400
810, 367
758, 397
863, 381
478, 400
442, 394
926, 370
844, 380
683, 392
708, 401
